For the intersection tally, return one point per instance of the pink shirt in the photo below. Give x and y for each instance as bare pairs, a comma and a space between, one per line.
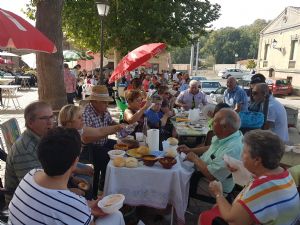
70, 81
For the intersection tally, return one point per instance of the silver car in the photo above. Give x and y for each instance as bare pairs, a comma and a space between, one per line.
237, 73
207, 86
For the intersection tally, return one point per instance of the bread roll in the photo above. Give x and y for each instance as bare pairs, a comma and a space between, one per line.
143, 150
131, 162
172, 141
171, 153
119, 162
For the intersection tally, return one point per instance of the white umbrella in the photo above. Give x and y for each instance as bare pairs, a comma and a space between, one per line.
8, 54
30, 60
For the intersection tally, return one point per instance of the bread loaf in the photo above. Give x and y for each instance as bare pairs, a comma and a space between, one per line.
131, 162
119, 162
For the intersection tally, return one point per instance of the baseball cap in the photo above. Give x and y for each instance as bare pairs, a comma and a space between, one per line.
258, 78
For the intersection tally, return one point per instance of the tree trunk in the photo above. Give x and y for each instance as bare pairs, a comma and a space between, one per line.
50, 66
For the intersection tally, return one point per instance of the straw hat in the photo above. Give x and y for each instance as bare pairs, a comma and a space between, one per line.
99, 93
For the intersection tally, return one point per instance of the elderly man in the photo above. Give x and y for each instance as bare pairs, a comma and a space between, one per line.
277, 117
23, 155
235, 96
96, 115
211, 166
192, 97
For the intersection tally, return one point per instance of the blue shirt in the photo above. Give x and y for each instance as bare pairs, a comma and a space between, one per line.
213, 157
153, 118
236, 96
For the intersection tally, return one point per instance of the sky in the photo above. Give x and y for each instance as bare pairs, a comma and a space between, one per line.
234, 13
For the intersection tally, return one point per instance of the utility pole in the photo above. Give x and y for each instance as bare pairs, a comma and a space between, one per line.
192, 60
197, 58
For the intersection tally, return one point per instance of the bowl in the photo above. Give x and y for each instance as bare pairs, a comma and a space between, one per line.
129, 142
149, 160
111, 203
121, 147
115, 153
167, 162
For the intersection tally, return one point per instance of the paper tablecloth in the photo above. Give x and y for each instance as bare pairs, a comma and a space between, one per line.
151, 186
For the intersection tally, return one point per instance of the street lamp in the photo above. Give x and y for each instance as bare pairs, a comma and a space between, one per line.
103, 8
235, 57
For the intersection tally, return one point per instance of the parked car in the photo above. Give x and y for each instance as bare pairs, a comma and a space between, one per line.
209, 85
280, 86
218, 95
237, 73
198, 78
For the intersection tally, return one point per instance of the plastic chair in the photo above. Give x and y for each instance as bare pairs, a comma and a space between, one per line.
11, 132
121, 106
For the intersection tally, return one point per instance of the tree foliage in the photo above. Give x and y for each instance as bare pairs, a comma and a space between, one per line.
131, 23
251, 64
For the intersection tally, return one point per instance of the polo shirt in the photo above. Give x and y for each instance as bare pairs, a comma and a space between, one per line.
213, 157
236, 96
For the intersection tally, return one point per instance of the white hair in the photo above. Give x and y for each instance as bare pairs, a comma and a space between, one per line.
208, 108
193, 82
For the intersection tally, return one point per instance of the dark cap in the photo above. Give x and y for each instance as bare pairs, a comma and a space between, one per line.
258, 78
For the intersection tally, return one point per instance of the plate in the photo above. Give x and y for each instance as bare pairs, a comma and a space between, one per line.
133, 153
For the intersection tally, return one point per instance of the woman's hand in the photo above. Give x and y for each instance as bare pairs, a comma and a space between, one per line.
147, 104
88, 170
216, 187
183, 148
96, 211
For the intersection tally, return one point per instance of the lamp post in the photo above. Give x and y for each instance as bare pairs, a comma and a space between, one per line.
103, 9
235, 57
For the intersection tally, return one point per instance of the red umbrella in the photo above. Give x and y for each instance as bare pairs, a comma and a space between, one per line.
1, 60
9, 62
15, 32
146, 65
136, 58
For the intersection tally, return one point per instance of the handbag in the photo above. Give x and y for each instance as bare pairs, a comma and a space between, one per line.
252, 119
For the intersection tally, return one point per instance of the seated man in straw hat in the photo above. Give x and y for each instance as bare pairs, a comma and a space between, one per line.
96, 115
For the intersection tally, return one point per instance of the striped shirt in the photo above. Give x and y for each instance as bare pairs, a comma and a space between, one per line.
272, 199
92, 119
20, 160
33, 204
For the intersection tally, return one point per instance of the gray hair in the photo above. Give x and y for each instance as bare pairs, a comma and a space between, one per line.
193, 82
230, 118
265, 145
31, 110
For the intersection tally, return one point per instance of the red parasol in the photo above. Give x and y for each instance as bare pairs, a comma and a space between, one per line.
1, 60
8, 61
15, 32
136, 58
147, 65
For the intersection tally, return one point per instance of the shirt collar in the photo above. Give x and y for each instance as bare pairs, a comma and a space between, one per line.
235, 134
32, 134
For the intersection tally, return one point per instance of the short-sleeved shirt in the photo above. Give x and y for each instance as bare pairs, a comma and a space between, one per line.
272, 199
277, 115
92, 119
187, 98
213, 157
153, 118
236, 96
33, 204
20, 160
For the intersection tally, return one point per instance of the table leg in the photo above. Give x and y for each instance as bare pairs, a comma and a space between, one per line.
172, 215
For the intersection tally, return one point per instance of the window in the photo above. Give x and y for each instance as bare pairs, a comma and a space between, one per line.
294, 46
266, 51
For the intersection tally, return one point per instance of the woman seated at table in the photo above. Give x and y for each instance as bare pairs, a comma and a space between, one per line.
158, 118
270, 198
135, 111
70, 116
137, 85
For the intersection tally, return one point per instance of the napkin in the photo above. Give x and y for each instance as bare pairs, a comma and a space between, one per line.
242, 175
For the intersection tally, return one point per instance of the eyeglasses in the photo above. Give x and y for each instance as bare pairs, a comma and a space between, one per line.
46, 117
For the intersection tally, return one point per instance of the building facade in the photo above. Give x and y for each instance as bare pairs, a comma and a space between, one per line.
279, 47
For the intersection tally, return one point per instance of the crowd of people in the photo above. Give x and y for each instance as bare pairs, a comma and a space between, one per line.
46, 164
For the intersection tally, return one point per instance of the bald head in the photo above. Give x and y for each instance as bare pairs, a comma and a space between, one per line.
226, 122
231, 83
263, 88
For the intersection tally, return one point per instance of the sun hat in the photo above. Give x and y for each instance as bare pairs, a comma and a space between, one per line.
258, 78
99, 93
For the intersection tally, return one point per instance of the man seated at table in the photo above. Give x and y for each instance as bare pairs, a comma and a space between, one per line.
210, 165
235, 96
23, 155
191, 98
43, 196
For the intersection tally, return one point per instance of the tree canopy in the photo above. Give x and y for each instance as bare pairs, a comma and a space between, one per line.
131, 23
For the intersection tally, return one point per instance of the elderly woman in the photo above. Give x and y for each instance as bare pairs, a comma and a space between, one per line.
270, 198
135, 111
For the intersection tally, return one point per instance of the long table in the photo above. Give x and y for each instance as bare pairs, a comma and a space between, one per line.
151, 186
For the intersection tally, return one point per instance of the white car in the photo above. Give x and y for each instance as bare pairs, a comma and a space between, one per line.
218, 95
207, 86
237, 73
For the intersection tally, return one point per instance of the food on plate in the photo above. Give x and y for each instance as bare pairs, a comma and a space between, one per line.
143, 150
167, 162
121, 146
171, 153
178, 119
119, 162
113, 200
83, 186
149, 160
131, 162
172, 141
129, 142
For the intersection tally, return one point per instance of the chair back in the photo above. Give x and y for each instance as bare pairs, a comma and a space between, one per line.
121, 106
11, 132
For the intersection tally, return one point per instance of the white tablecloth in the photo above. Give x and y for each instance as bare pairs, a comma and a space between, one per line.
151, 186
111, 219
